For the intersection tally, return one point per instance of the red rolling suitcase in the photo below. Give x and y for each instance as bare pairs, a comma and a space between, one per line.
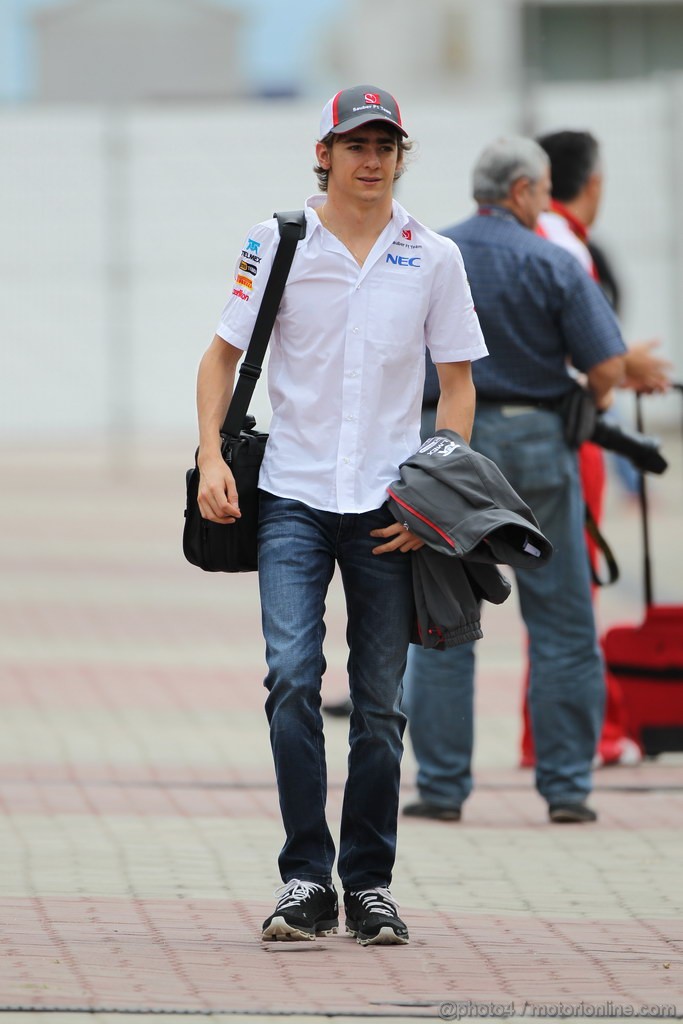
647, 662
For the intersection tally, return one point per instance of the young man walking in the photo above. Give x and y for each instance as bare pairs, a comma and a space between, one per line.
369, 287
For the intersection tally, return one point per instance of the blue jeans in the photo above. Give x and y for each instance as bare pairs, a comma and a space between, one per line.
298, 549
566, 692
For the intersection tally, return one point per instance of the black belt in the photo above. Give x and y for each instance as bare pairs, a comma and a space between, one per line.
551, 404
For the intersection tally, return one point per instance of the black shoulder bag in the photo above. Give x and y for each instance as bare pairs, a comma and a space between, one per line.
232, 547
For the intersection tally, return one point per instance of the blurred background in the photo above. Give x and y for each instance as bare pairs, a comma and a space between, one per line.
141, 139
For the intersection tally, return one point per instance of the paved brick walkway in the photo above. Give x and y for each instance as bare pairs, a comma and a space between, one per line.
140, 828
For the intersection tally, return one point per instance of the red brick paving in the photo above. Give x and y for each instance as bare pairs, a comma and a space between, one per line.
139, 823
92, 953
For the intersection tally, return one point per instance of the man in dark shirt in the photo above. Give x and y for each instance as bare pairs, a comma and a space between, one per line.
539, 311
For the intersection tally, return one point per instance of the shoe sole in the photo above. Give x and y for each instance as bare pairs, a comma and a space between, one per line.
560, 818
385, 937
280, 931
432, 812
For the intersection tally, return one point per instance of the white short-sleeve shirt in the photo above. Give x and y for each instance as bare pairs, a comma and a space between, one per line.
346, 365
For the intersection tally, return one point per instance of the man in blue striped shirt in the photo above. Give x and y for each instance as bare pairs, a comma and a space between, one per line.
540, 312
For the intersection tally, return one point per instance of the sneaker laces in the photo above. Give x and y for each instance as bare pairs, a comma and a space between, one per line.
378, 901
295, 892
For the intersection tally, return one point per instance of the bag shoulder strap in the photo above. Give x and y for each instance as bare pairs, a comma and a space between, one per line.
292, 227
593, 531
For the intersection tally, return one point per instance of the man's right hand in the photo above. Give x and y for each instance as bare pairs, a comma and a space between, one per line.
647, 372
217, 496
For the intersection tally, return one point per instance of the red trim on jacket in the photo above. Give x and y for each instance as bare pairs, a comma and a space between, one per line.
418, 515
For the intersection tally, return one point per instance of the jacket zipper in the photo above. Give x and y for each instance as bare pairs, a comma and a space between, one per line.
418, 515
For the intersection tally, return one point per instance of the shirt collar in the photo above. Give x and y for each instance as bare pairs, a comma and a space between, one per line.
500, 212
400, 218
579, 229
313, 203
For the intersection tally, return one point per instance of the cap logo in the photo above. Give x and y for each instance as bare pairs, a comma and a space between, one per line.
354, 107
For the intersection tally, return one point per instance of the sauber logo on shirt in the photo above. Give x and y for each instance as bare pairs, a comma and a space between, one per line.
248, 268
407, 234
403, 261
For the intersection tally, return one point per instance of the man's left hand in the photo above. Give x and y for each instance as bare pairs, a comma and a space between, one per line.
402, 539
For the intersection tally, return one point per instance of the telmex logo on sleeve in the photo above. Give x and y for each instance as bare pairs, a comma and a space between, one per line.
248, 268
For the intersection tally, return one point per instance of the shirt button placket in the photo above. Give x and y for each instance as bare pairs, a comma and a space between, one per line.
348, 437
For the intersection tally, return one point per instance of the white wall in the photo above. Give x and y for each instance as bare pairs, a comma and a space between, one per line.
120, 233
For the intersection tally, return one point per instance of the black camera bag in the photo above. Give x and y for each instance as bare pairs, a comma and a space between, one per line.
232, 547
579, 415
583, 421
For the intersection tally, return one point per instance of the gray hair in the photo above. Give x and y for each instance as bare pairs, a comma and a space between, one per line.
504, 162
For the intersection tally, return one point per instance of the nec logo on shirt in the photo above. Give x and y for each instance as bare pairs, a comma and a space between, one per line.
403, 261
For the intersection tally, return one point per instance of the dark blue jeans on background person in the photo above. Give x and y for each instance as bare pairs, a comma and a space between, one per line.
566, 693
298, 549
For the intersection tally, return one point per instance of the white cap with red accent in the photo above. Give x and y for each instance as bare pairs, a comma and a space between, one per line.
358, 105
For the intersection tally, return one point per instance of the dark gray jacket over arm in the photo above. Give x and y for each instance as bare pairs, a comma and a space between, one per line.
471, 520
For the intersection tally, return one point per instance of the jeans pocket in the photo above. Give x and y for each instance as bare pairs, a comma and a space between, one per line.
540, 465
273, 507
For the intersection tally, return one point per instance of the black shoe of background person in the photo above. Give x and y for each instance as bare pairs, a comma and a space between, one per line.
571, 814
372, 917
304, 910
422, 809
341, 710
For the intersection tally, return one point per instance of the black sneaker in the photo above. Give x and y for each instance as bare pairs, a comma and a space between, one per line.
371, 915
304, 910
422, 809
571, 814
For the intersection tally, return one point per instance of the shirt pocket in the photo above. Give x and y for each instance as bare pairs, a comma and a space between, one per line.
397, 309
